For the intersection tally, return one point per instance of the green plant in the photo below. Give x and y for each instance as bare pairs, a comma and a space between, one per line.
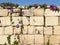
15, 42
48, 43
8, 39
44, 6
5, 44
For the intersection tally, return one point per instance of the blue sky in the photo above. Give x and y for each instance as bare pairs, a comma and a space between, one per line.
29, 2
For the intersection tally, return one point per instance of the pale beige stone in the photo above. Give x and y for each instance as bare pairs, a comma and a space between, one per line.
27, 12
3, 12
49, 12
0, 21
30, 39
46, 38
3, 39
48, 30
39, 39
30, 29
15, 21
55, 39
15, 14
17, 30
1, 30
51, 21
25, 30
23, 39
25, 20
9, 30
38, 12
57, 30
36, 21
12, 39
38, 30
5, 21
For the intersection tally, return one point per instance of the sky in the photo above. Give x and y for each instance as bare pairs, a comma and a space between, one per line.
30, 2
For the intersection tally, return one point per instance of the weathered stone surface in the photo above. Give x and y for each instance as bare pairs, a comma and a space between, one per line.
26, 20
9, 30
30, 39
38, 12
48, 30
39, 39
17, 30
5, 21
55, 39
51, 21
57, 30
16, 20
49, 12
27, 12
3, 12
38, 30
1, 30
3, 39
36, 21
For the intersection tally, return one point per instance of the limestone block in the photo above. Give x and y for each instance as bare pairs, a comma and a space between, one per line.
25, 30
12, 39
16, 20
38, 30
59, 20
56, 29
30, 39
0, 21
5, 21
30, 29
26, 20
56, 44
3, 12
38, 12
3, 39
51, 21
15, 14
36, 21
46, 38
1, 30
24, 39
38, 44
49, 12
27, 12
48, 30
17, 30
54, 39
39, 39
9, 30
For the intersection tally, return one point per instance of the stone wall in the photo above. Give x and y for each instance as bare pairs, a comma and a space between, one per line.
39, 27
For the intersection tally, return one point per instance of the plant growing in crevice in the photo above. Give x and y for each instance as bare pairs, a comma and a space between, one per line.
8, 39
15, 42
48, 43
21, 28
44, 6
54, 8
5, 44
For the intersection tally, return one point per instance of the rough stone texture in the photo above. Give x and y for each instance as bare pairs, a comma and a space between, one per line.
57, 30
9, 30
1, 30
3, 12
48, 30
49, 12
38, 12
51, 21
36, 20
38, 27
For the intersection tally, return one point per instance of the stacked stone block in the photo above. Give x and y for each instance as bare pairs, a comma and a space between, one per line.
39, 27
